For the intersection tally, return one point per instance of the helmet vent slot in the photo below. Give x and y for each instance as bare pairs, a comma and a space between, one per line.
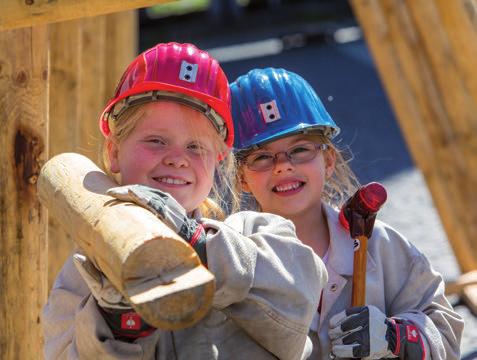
188, 71
270, 111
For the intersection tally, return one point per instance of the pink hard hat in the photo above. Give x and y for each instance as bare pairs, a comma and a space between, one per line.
178, 72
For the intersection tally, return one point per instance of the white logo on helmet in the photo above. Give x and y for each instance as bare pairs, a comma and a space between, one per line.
270, 111
188, 71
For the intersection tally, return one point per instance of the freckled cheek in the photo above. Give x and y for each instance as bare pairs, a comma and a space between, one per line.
134, 167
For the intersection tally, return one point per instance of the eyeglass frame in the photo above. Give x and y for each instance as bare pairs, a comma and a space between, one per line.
317, 146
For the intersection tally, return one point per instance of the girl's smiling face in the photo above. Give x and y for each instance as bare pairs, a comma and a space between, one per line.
173, 148
289, 189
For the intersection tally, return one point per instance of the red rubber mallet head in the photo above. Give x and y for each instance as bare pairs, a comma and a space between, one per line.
359, 212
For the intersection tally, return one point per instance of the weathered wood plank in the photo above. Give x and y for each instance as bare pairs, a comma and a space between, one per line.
65, 64
432, 92
87, 59
23, 140
122, 34
21, 13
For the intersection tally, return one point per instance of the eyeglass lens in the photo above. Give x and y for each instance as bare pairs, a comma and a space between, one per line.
296, 154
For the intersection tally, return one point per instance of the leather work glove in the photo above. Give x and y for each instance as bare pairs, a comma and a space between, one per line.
125, 324
168, 210
365, 332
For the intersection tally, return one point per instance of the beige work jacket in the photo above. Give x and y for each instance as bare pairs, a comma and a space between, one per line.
400, 282
268, 286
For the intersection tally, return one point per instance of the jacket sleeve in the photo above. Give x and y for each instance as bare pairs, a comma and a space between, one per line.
267, 281
420, 298
73, 327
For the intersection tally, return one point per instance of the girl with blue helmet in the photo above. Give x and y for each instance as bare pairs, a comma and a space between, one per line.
290, 167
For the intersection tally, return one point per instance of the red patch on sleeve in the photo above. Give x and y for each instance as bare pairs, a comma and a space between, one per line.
130, 321
412, 333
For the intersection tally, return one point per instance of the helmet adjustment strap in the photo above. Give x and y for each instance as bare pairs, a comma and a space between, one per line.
121, 106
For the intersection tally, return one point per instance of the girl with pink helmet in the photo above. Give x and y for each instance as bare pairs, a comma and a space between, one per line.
168, 131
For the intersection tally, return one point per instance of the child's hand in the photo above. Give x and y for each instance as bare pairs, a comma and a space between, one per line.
103, 291
365, 332
123, 321
168, 210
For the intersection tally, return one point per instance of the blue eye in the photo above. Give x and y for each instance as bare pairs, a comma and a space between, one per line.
197, 148
156, 141
300, 149
260, 157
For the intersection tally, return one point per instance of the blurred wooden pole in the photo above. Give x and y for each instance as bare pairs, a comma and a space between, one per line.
425, 53
88, 57
24, 142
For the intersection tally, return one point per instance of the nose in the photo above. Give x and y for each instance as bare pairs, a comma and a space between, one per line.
176, 158
282, 163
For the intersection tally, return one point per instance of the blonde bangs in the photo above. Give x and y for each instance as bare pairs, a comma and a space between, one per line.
222, 200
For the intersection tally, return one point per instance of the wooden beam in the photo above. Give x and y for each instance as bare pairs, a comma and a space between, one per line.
22, 13
122, 46
88, 57
23, 140
419, 48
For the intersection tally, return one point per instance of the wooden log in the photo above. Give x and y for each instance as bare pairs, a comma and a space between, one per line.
158, 272
23, 223
417, 47
17, 13
469, 296
456, 287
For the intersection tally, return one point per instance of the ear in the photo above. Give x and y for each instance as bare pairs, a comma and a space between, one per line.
113, 153
243, 183
222, 155
330, 161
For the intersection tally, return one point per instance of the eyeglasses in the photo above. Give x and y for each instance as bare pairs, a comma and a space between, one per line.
298, 154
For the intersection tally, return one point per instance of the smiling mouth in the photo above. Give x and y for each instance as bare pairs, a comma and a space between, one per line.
171, 181
288, 187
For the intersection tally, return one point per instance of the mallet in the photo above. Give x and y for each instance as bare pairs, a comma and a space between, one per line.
358, 215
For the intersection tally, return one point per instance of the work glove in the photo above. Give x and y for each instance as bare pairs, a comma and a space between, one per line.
365, 332
125, 324
168, 210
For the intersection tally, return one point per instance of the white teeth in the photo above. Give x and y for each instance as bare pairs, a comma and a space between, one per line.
287, 187
172, 181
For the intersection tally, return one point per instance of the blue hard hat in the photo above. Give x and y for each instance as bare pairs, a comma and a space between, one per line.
270, 103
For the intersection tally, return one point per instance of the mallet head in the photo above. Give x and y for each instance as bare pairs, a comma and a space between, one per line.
359, 212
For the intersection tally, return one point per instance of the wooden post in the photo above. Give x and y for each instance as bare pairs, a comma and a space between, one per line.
88, 57
24, 112
425, 53
23, 139
65, 46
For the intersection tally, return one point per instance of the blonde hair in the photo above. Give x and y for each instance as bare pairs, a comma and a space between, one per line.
216, 205
341, 185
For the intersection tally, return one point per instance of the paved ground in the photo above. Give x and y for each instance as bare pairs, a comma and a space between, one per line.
345, 78
413, 213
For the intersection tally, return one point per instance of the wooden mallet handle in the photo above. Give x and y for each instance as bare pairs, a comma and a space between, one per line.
358, 215
156, 271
